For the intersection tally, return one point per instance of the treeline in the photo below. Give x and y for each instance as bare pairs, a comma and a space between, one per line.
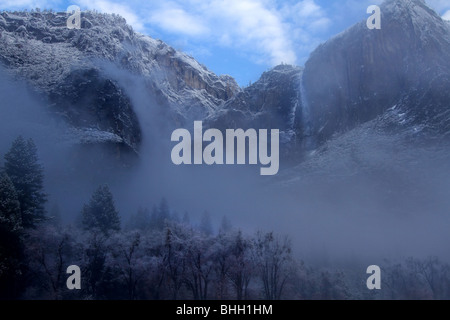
158, 255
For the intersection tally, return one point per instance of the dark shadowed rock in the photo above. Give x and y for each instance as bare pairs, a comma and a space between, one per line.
269, 103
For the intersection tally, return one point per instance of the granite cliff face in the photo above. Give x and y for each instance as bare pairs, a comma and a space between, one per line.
400, 73
361, 73
72, 68
269, 103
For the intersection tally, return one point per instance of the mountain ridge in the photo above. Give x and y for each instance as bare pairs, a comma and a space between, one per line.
353, 78
63, 62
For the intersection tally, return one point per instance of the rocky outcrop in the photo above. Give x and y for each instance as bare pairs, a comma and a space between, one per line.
73, 68
269, 103
361, 73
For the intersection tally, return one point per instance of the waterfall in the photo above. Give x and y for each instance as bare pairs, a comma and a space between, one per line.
306, 114
306, 121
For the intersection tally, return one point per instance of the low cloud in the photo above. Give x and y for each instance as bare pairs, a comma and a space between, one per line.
446, 15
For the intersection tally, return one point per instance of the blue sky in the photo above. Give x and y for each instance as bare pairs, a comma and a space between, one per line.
242, 38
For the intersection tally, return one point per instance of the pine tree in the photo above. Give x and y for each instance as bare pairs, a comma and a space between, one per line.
225, 225
10, 216
140, 220
101, 214
11, 248
55, 215
160, 215
27, 175
154, 218
205, 224
186, 219
163, 213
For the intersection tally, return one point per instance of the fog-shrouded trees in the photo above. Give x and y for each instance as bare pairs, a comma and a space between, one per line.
183, 263
274, 261
100, 213
22, 208
131, 264
160, 257
206, 224
199, 265
50, 250
242, 265
10, 242
27, 175
160, 215
10, 216
225, 225
101, 220
417, 279
95, 268
140, 220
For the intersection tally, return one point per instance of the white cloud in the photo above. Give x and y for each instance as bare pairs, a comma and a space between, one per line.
320, 24
113, 7
307, 22
263, 29
247, 25
307, 15
269, 31
439, 5
253, 26
173, 18
446, 15
307, 9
